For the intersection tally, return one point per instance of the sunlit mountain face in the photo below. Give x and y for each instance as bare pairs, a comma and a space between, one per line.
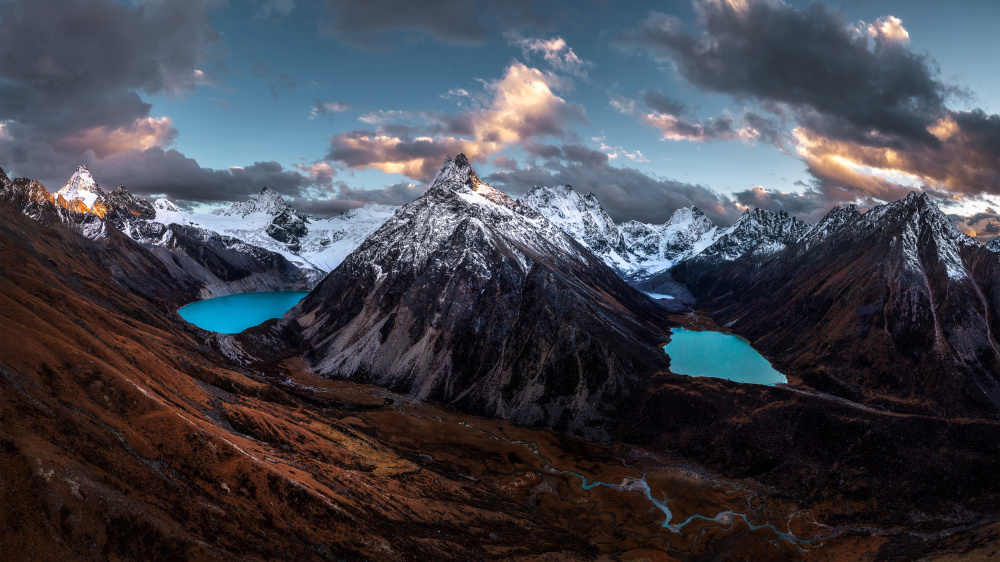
707, 280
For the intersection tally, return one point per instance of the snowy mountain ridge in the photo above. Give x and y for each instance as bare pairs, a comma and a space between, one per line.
268, 202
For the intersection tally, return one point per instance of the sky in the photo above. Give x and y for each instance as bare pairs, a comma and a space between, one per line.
652, 106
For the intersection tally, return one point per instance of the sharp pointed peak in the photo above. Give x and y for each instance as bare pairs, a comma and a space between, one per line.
454, 171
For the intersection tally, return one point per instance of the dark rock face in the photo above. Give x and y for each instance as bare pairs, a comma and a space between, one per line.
893, 307
464, 296
288, 227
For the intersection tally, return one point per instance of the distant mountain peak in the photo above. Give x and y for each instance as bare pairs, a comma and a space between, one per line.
267, 201
81, 186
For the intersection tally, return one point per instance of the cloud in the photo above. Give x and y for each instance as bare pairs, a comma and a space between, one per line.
274, 9
74, 65
614, 152
167, 173
889, 28
144, 133
834, 77
673, 126
866, 113
661, 103
966, 160
625, 193
809, 206
521, 107
324, 109
373, 24
554, 51
456, 93
984, 226
345, 198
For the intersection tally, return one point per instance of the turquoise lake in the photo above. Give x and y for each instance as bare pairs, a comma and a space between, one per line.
234, 313
714, 354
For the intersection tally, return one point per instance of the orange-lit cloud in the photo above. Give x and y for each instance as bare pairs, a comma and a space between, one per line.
520, 107
964, 163
149, 132
889, 28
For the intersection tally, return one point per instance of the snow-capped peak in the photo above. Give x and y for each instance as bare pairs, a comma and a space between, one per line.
81, 186
923, 222
268, 201
583, 218
759, 232
169, 213
994, 245
166, 205
455, 171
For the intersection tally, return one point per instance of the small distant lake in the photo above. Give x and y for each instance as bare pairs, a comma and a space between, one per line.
658, 295
724, 356
234, 313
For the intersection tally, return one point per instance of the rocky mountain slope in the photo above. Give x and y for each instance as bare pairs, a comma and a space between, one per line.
892, 307
468, 297
211, 264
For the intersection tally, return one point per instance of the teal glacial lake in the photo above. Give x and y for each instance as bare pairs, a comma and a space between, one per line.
714, 354
234, 313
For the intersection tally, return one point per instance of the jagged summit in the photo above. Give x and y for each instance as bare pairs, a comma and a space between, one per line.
456, 174
267, 201
583, 218
81, 186
758, 232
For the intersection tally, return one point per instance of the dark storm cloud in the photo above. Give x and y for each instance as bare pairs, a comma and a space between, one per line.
415, 157
840, 80
625, 193
345, 198
67, 65
661, 103
864, 111
666, 115
371, 24
809, 206
155, 172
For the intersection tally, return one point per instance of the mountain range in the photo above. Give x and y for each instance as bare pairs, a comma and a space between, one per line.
373, 419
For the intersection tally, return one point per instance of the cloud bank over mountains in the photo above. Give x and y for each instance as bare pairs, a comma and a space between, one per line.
868, 117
